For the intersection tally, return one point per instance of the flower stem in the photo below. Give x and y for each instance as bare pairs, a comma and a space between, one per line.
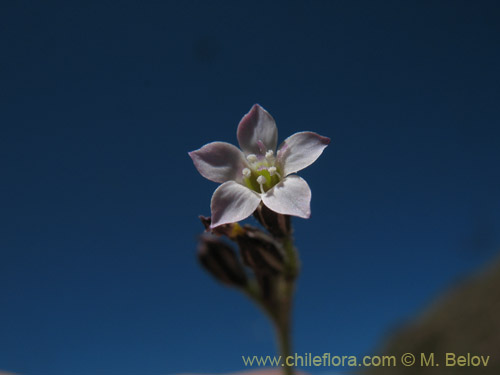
283, 321
279, 306
285, 347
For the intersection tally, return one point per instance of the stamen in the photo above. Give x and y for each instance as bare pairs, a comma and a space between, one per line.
270, 155
272, 171
261, 181
252, 158
246, 172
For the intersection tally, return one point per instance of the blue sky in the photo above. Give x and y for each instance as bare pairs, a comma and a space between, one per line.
100, 103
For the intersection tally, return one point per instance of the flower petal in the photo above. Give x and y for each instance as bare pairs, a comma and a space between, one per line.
257, 131
291, 196
301, 150
219, 162
232, 202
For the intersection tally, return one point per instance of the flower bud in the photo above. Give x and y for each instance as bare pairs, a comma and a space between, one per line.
277, 224
260, 252
221, 261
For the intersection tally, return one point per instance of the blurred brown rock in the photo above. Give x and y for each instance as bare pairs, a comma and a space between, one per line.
466, 320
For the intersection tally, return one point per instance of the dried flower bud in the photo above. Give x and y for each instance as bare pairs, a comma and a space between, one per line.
221, 261
277, 224
206, 221
260, 252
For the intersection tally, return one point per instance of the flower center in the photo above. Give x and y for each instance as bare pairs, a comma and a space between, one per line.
262, 173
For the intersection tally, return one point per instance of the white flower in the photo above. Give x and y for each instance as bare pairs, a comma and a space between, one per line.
258, 173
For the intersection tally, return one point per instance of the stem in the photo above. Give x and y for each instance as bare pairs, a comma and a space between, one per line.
283, 321
279, 307
285, 345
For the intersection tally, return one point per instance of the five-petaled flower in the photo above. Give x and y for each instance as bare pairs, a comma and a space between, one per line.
258, 173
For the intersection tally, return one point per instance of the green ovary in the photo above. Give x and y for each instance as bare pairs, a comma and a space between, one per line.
252, 183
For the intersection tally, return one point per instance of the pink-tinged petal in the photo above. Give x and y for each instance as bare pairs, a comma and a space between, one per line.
219, 162
301, 150
257, 131
291, 196
232, 202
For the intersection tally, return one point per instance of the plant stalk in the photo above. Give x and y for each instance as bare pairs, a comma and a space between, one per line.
283, 321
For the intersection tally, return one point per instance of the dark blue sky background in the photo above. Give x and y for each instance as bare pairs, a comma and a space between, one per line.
100, 103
